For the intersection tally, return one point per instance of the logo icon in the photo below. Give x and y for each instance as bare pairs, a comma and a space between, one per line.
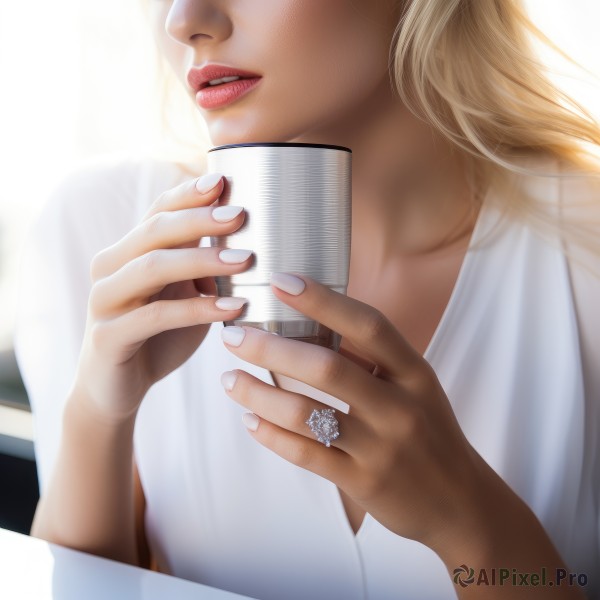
464, 576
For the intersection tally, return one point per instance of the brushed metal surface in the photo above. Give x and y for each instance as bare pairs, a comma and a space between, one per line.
298, 203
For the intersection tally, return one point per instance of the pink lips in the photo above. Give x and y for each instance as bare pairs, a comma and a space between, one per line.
223, 94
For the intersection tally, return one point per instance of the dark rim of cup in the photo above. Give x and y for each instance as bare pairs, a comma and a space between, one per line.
281, 144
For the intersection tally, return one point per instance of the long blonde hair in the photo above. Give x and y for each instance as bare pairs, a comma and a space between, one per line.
467, 67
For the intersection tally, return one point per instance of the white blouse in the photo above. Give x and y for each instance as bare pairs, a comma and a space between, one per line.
225, 511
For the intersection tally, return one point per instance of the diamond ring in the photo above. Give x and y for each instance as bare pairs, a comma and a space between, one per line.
324, 425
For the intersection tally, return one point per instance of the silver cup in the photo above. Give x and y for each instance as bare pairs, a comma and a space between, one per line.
298, 203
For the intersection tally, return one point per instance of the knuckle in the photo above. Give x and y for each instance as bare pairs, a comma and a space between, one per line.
99, 299
154, 224
161, 202
154, 312
99, 335
93, 300
97, 266
149, 262
420, 382
412, 424
329, 367
374, 325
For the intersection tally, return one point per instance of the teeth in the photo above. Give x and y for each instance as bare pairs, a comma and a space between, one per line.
222, 80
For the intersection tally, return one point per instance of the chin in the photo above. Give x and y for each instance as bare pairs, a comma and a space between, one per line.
222, 133
260, 118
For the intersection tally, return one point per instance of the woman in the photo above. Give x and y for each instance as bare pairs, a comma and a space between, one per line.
469, 330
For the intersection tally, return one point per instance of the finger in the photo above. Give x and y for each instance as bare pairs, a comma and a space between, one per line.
132, 329
365, 327
167, 229
315, 365
331, 463
147, 275
201, 191
291, 410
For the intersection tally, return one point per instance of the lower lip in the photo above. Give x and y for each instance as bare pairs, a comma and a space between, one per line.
225, 93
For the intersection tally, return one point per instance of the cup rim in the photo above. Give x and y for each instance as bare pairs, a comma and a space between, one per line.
281, 144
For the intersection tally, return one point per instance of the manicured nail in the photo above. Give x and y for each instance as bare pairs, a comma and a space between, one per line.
232, 335
207, 182
228, 380
251, 421
230, 303
222, 214
288, 283
231, 256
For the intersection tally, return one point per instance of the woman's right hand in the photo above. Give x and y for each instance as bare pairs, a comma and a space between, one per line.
145, 314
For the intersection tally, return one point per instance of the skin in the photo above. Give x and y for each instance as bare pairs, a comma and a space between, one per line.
409, 190
412, 215
400, 227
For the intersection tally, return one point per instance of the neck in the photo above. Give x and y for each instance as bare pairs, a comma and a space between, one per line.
410, 192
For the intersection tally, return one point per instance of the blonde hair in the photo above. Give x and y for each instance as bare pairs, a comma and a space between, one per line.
467, 68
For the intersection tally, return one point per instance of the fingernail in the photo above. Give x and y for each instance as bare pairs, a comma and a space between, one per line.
288, 283
231, 256
251, 421
207, 182
230, 303
222, 214
233, 335
228, 380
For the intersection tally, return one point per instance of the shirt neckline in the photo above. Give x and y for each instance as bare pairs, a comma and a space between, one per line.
464, 273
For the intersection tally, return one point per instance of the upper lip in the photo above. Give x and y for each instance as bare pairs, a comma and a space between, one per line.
198, 78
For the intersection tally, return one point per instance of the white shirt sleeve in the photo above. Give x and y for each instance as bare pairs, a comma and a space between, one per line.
91, 209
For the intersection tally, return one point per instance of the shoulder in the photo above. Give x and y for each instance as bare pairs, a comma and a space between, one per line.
561, 203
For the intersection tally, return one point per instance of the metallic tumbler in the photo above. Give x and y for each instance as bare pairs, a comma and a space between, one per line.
298, 203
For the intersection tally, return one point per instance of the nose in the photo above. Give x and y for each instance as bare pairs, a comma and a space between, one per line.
192, 21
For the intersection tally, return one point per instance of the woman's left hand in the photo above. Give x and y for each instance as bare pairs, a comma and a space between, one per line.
400, 454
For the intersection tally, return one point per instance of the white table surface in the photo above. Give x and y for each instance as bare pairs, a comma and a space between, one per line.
32, 569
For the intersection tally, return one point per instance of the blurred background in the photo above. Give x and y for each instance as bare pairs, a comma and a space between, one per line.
82, 80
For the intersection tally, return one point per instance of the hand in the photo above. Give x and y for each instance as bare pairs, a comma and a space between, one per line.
401, 454
145, 313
